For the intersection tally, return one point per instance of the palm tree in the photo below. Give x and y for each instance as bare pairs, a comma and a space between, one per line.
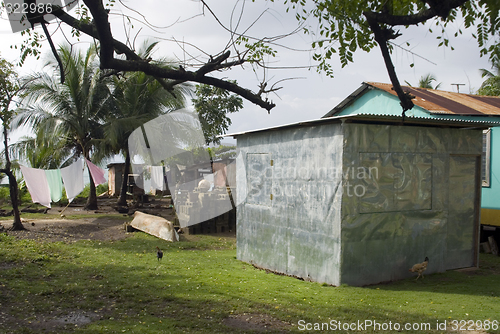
74, 110
137, 99
426, 82
45, 152
491, 86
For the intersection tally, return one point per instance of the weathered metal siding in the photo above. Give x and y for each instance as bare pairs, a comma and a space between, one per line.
297, 230
418, 201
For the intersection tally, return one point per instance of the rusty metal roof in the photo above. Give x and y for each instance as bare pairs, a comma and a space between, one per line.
441, 102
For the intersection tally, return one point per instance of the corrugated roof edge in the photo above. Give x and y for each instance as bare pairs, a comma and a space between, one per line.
409, 120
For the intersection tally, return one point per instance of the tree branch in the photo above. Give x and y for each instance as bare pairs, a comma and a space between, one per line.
382, 36
100, 30
437, 8
377, 22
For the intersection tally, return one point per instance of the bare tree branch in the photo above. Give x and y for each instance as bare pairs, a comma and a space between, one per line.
100, 29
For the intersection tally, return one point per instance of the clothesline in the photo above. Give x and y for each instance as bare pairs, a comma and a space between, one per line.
45, 186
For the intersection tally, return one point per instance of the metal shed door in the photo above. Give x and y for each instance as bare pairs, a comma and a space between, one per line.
461, 240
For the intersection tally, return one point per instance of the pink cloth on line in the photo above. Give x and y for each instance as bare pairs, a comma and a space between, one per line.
38, 187
97, 173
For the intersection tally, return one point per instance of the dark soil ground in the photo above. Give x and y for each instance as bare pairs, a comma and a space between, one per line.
107, 224
69, 230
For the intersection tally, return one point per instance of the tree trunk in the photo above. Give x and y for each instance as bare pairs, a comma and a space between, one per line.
14, 198
92, 199
122, 200
17, 225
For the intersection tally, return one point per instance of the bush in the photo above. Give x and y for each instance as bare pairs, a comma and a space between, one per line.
4, 193
99, 190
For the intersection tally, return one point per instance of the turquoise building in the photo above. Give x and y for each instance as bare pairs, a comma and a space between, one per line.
379, 99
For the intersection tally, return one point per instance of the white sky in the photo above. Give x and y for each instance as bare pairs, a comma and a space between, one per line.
307, 98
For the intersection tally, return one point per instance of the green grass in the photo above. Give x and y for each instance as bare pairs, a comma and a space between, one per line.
198, 284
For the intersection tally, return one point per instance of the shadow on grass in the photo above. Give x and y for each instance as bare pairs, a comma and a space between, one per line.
200, 284
482, 281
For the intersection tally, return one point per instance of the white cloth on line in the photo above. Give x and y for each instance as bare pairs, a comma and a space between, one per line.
157, 177
73, 179
96, 172
38, 187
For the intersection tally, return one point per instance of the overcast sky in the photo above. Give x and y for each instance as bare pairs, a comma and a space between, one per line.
310, 95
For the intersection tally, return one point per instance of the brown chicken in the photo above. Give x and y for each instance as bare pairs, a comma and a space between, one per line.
420, 267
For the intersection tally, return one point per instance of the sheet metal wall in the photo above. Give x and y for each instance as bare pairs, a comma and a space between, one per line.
297, 232
358, 203
418, 201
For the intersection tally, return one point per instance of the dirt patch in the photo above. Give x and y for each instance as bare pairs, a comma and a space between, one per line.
50, 322
69, 230
59, 228
68, 320
256, 322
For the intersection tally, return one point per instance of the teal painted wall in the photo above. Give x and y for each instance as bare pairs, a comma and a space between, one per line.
490, 197
377, 102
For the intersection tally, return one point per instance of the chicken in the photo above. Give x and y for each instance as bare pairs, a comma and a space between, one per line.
420, 267
159, 253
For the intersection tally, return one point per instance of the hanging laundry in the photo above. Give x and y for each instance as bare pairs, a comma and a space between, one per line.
73, 179
97, 173
54, 180
157, 177
38, 187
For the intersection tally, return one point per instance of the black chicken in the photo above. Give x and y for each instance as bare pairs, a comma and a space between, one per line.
159, 253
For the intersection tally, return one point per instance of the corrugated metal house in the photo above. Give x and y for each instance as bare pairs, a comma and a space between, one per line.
358, 197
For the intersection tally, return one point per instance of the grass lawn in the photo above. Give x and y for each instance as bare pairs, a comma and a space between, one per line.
200, 287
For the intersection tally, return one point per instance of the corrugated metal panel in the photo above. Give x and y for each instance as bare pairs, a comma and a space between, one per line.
457, 120
442, 102
473, 102
432, 119
421, 100
417, 202
492, 100
351, 198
